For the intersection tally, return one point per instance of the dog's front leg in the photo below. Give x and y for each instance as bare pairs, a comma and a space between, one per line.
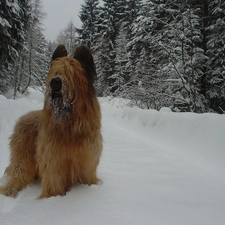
55, 177
52, 185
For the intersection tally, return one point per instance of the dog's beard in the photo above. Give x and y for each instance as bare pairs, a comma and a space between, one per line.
60, 104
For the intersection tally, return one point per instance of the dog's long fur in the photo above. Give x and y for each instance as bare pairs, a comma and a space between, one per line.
61, 144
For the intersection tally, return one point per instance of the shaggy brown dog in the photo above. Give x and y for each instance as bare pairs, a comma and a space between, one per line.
62, 143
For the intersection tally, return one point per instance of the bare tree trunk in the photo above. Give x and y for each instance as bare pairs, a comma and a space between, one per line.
29, 65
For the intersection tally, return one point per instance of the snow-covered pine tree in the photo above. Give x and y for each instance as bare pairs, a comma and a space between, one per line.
33, 61
110, 18
90, 18
42, 62
216, 56
102, 68
132, 10
140, 88
167, 43
124, 68
144, 61
181, 44
14, 18
121, 75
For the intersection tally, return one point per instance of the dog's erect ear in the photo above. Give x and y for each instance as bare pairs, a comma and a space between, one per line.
59, 52
84, 56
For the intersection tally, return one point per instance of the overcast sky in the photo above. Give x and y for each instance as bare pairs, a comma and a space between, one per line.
59, 14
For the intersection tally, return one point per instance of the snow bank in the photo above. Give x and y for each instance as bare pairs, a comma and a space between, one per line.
201, 135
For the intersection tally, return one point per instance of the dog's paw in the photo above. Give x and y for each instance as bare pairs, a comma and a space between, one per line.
1, 190
10, 192
48, 195
88, 180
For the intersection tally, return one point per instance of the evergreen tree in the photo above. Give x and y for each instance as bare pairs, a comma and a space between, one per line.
124, 68
102, 68
89, 16
32, 64
169, 36
216, 54
110, 13
14, 18
121, 75
161, 53
146, 81
180, 42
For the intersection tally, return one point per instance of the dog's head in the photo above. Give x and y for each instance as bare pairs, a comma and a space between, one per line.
69, 84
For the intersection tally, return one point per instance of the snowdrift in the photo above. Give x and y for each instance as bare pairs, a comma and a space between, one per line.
199, 135
160, 168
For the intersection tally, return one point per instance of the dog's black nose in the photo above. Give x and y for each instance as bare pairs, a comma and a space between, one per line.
56, 84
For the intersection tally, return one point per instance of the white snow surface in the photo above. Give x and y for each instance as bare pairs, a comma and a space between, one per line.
157, 168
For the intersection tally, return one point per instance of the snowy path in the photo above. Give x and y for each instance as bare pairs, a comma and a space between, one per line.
155, 185
145, 178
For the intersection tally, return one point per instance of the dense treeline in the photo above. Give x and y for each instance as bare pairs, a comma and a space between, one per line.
24, 51
158, 53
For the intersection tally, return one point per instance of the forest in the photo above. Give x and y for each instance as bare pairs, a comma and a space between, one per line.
157, 53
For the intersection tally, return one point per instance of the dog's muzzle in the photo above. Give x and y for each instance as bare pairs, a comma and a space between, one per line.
56, 87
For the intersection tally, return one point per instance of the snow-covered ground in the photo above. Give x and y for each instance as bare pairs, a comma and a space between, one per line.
157, 168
